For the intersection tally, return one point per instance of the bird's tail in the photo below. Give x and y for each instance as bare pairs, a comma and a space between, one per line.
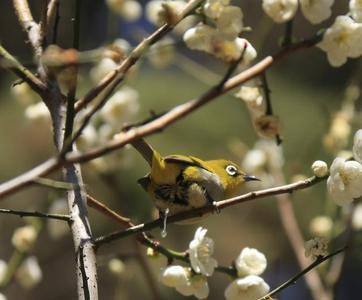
145, 149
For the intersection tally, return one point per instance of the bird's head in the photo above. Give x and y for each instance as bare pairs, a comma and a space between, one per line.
230, 174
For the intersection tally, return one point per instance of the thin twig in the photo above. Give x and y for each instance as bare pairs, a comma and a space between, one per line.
22, 214
69, 122
146, 240
269, 107
134, 56
295, 237
338, 263
8, 61
44, 23
198, 212
27, 178
232, 67
292, 280
288, 34
56, 9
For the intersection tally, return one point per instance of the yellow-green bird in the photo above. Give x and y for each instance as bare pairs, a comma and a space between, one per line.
182, 182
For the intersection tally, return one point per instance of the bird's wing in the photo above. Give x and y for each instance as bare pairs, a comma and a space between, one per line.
144, 181
186, 160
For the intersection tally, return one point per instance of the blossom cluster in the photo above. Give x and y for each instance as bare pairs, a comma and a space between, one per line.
248, 285
262, 160
344, 182
120, 109
340, 41
28, 273
218, 33
266, 125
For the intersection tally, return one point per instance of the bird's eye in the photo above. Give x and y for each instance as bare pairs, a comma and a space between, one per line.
231, 170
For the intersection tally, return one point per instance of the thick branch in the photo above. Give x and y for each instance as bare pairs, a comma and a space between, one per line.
199, 212
28, 24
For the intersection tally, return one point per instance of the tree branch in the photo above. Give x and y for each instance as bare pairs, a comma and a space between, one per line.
157, 124
119, 73
292, 280
10, 62
216, 207
28, 24
22, 214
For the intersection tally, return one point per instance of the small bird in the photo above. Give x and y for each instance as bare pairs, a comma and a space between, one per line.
180, 182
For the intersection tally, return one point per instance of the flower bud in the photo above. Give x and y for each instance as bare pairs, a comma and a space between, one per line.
321, 226
29, 273
116, 266
24, 238
320, 168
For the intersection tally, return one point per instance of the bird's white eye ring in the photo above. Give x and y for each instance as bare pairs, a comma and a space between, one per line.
231, 170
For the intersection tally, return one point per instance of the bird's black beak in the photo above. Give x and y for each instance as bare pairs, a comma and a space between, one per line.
250, 178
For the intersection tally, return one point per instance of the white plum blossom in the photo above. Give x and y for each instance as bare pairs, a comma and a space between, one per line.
199, 286
280, 10
249, 53
162, 53
24, 94
38, 113
121, 107
199, 37
357, 146
267, 126
2, 297
200, 251
130, 10
344, 182
3, 268
24, 238
88, 137
174, 276
253, 99
321, 226
316, 247
254, 161
250, 262
152, 10
181, 279
214, 8
248, 288
116, 266
342, 40
316, 11
320, 168
339, 132
158, 12
355, 8
29, 273
357, 217
102, 68
170, 11
263, 159
208, 39
230, 22
220, 36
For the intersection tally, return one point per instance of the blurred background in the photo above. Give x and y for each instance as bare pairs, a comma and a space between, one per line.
306, 93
